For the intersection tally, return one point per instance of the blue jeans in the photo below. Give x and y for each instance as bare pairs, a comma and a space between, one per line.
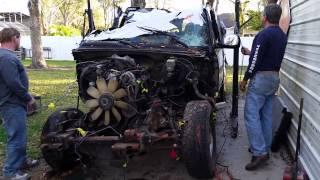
258, 111
14, 120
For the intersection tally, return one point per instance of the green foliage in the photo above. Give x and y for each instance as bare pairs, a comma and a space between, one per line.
255, 23
59, 15
98, 14
61, 30
243, 10
104, 12
70, 11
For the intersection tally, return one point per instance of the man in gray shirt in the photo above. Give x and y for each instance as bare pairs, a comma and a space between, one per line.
14, 99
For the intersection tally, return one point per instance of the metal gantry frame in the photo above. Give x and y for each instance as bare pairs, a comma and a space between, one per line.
90, 17
235, 80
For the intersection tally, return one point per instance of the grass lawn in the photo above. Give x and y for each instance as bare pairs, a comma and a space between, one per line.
58, 87
229, 77
53, 63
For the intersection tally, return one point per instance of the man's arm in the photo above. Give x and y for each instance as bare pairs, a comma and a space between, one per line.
10, 74
258, 52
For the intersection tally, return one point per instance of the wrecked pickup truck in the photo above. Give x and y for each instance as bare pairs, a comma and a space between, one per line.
155, 78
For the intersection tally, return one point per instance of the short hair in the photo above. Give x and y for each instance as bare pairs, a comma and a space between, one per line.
273, 13
6, 34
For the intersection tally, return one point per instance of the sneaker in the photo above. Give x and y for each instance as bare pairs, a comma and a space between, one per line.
29, 163
256, 162
19, 176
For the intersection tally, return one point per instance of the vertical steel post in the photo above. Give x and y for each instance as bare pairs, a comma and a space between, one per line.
296, 157
90, 17
235, 80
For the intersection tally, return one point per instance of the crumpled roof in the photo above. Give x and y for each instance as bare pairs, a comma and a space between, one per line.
24, 30
155, 19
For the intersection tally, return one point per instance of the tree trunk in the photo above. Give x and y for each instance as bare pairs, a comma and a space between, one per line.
266, 2
272, 1
138, 3
210, 2
36, 44
43, 24
65, 20
217, 5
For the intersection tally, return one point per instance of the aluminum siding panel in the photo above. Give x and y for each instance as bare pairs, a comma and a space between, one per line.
300, 78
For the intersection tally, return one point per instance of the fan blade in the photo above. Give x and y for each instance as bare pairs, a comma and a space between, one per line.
112, 85
120, 93
102, 85
107, 118
116, 114
93, 92
92, 103
121, 104
95, 115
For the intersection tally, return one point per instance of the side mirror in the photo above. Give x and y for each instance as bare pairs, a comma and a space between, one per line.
230, 41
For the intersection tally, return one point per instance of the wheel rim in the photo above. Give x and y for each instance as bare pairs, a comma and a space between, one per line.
59, 160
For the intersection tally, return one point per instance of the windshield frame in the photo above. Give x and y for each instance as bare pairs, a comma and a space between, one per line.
197, 16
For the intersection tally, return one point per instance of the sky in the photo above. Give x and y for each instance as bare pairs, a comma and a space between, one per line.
14, 5
225, 6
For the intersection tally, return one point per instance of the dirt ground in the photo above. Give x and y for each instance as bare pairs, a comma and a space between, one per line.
233, 155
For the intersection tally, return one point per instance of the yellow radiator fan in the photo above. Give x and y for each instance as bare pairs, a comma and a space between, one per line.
107, 97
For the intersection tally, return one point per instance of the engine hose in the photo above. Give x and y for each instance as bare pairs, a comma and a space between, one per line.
172, 121
81, 79
201, 96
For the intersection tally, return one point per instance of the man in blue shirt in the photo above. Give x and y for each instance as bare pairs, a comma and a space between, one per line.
267, 52
14, 99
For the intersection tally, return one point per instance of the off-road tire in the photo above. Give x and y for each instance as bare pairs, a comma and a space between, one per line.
199, 143
65, 159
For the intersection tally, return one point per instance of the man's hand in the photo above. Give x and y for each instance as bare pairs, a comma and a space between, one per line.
243, 85
31, 105
31, 102
245, 51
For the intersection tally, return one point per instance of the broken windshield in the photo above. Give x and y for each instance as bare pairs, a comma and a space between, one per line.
186, 27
